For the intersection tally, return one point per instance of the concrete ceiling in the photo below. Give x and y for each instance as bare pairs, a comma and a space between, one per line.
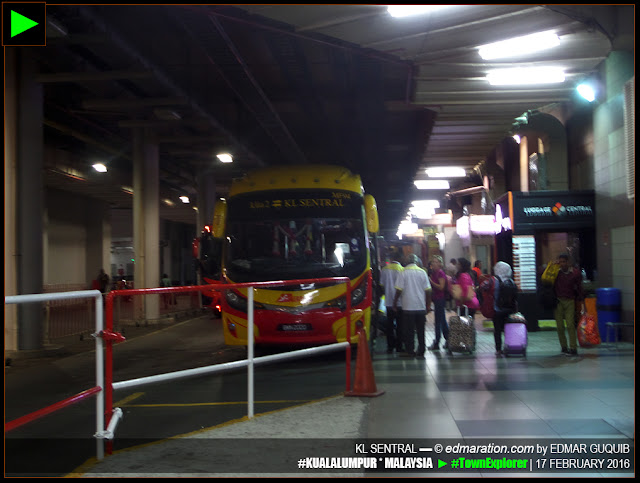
294, 84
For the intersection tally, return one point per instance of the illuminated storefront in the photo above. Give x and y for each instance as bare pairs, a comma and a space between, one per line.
533, 228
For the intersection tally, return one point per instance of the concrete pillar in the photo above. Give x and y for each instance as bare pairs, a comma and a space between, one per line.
98, 225
146, 223
10, 195
26, 164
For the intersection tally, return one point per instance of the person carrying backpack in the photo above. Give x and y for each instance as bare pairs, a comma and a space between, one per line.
505, 301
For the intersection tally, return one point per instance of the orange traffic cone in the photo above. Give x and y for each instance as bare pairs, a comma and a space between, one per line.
365, 383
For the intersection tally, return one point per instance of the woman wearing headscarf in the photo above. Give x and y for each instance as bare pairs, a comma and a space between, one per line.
503, 271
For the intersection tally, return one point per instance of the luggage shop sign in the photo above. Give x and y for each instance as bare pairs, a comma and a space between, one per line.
553, 210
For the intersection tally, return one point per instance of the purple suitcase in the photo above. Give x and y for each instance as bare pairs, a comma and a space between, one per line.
515, 338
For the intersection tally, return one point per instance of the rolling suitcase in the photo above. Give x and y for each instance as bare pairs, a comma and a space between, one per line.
515, 335
462, 333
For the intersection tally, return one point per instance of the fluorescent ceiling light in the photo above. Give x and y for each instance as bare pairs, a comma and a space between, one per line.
445, 172
430, 203
407, 10
424, 208
225, 158
406, 227
432, 184
586, 91
519, 45
100, 168
184, 199
525, 75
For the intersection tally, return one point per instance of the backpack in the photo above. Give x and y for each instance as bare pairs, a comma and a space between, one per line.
486, 292
507, 295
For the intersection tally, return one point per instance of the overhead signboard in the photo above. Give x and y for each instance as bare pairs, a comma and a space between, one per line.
550, 211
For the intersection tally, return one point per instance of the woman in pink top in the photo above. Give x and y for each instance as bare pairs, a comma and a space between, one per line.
463, 278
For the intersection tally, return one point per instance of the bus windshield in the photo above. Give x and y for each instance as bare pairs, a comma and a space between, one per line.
295, 248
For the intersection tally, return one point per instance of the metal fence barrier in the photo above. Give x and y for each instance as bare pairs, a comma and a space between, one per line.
105, 337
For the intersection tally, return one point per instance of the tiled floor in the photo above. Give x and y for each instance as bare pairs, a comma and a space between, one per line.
544, 398
545, 394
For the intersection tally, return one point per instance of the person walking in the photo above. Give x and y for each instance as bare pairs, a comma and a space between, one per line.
414, 289
167, 298
476, 272
568, 290
393, 328
103, 281
438, 281
502, 311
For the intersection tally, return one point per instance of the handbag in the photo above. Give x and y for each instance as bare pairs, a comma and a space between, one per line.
471, 293
469, 299
550, 273
588, 334
456, 291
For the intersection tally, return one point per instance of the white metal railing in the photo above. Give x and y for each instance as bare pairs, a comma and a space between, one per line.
104, 388
99, 393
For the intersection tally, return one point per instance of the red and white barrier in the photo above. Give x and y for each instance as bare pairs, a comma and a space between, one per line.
105, 337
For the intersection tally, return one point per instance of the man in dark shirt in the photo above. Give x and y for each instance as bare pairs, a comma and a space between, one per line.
568, 288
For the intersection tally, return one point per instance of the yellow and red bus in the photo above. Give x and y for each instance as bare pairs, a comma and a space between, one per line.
293, 223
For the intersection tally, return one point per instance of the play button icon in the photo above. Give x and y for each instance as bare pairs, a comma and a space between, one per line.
20, 23
24, 24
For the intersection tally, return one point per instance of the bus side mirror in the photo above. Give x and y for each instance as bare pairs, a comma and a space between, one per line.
219, 219
371, 213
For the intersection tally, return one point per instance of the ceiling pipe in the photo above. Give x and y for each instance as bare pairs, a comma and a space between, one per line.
89, 14
466, 191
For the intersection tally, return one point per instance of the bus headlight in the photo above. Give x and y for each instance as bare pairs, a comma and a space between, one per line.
239, 302
340, 303
357, 296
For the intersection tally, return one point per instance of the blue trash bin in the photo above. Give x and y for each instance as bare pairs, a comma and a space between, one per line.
609, 307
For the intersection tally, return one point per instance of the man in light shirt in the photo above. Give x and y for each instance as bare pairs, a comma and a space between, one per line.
388, 276
413, 289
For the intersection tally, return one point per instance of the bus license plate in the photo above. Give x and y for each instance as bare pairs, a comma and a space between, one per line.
295, 327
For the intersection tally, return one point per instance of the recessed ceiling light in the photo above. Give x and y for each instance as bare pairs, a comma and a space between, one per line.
225, 158
100, 168
184, 199
586, 91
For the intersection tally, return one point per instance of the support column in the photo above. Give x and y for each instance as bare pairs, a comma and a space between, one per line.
98, 226
10, 195
29, 204
146, 223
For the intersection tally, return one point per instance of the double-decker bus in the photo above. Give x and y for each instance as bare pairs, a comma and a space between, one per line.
293, 223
